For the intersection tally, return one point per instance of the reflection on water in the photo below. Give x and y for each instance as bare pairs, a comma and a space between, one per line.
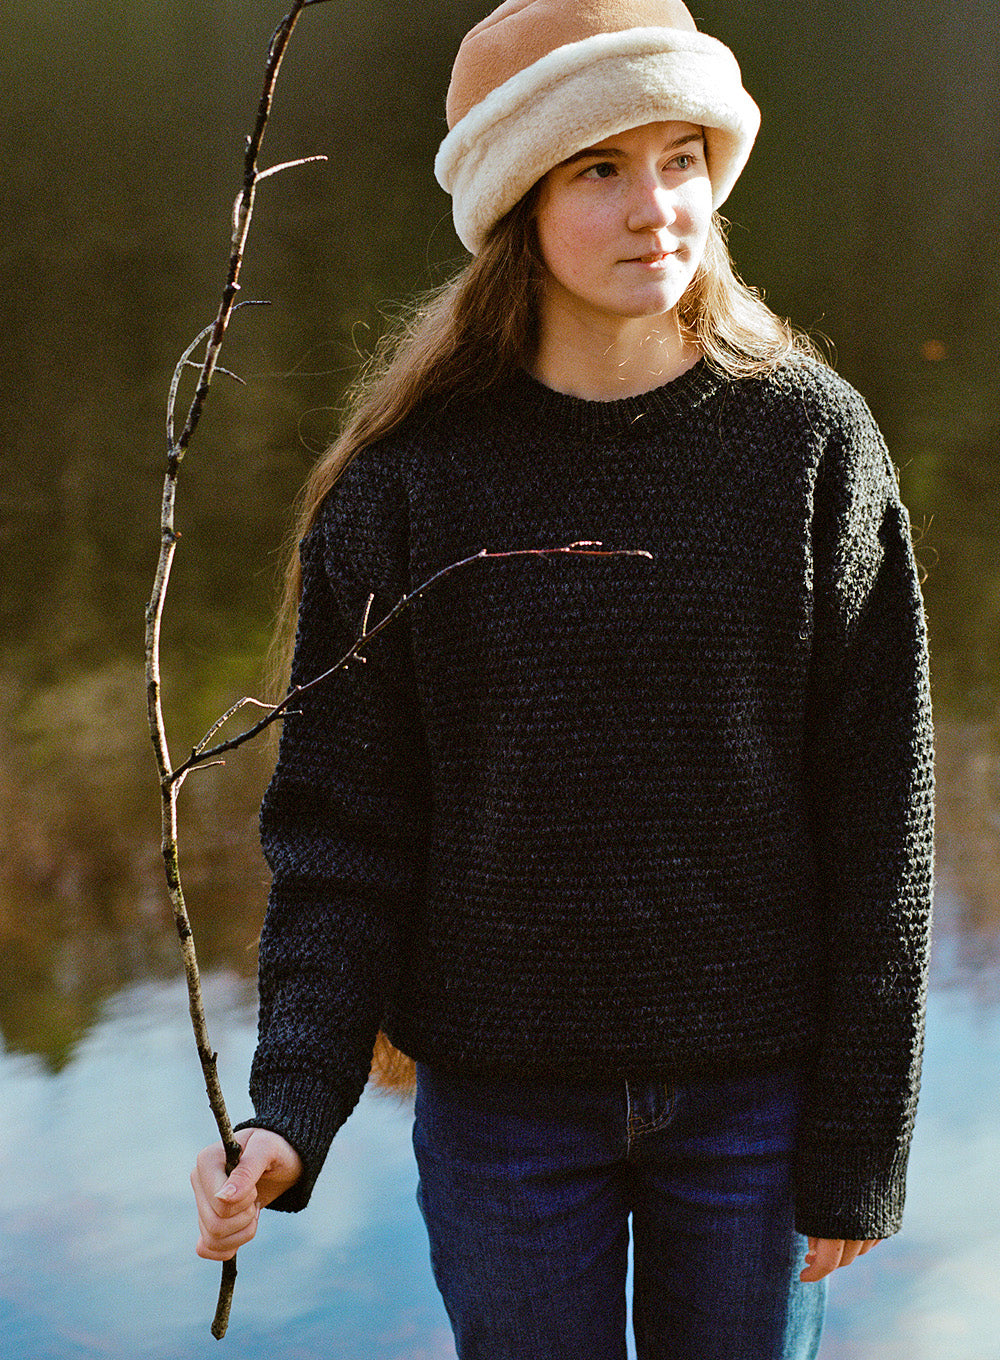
96, 1228
868, 218
933, 1293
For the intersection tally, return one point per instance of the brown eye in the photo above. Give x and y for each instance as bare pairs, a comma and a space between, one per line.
602, 170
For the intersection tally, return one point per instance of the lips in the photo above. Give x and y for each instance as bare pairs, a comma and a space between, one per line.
653, 258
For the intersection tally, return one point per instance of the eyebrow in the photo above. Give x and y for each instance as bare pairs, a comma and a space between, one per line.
612, 153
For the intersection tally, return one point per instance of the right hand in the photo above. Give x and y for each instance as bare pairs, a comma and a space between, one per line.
229, 1206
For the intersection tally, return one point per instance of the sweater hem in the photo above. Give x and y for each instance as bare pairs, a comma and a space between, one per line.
531, 1065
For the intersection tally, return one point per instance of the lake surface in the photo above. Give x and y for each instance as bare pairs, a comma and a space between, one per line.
867, 213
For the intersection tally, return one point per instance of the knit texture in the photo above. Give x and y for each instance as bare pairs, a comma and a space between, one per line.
614, 816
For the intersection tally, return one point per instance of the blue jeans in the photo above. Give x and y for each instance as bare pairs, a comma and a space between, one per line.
527, 1190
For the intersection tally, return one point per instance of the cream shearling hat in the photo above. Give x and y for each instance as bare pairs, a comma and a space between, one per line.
538, 80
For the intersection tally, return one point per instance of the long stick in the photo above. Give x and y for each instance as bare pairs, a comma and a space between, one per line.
176, 449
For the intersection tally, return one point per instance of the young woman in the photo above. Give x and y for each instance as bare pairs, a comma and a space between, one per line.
630, 851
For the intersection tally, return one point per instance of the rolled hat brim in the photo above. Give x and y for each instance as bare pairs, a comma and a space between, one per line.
579, 94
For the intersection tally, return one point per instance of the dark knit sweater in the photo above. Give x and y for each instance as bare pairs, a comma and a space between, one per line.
614, 816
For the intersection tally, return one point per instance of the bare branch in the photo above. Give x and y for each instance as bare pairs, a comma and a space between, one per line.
175, 382
195, 769
202, 756
288, 165
186, 361
221, 722
213, 336
582, 548
242, 216
219, 369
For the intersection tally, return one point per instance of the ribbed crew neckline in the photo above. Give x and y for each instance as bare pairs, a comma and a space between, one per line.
584, 416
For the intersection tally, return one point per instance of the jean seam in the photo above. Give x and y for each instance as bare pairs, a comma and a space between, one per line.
637, 1125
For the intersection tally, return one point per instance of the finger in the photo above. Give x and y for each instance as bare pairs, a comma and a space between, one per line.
221, 1223
849, 1254
867, 1246
210, 1168
822, 1258
209, 1206
209, 1178
223, 1228
256, 1161
204, 1184
219, 1218
236, 1191
224, 1244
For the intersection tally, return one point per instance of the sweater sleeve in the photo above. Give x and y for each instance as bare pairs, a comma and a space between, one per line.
343, 826
870, 774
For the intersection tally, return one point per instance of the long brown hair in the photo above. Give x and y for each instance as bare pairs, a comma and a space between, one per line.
475, 331
472, 332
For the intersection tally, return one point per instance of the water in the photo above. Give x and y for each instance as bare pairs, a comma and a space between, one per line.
867, 214
96, 1228
96, 1250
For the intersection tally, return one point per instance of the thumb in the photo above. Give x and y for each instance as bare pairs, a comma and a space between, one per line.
242, 1181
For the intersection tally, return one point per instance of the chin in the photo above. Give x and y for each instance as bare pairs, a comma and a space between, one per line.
639, 307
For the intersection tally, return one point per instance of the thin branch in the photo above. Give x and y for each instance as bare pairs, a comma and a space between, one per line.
242, 215
182, 363
219, 369
197, 769
288, 165
213, 336
221, 722
581, 548
202, 756
185, 361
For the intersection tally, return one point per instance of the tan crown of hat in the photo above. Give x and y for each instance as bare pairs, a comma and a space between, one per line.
538, 80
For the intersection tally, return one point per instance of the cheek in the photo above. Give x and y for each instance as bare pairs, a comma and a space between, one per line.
570, 242
700, 207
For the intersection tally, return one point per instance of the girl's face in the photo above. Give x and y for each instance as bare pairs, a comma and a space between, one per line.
622, 225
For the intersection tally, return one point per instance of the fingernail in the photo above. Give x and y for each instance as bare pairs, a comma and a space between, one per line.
228, 1191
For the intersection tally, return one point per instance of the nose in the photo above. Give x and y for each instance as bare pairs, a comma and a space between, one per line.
651, 205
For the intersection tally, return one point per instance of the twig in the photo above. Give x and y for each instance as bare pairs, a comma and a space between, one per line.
288, 165
203, 752
221, 722
219, 369
185, 361
242, 216
213, 335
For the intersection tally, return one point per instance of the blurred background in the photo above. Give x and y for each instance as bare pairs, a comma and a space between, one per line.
868, 214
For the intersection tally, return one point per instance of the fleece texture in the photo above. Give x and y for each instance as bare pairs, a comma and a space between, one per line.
614, 817
538, 81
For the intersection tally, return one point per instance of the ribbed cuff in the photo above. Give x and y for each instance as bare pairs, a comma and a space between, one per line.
306, 1114
855, 1193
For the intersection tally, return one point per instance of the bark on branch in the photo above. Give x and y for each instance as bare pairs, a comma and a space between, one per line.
204, 753
213, 336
